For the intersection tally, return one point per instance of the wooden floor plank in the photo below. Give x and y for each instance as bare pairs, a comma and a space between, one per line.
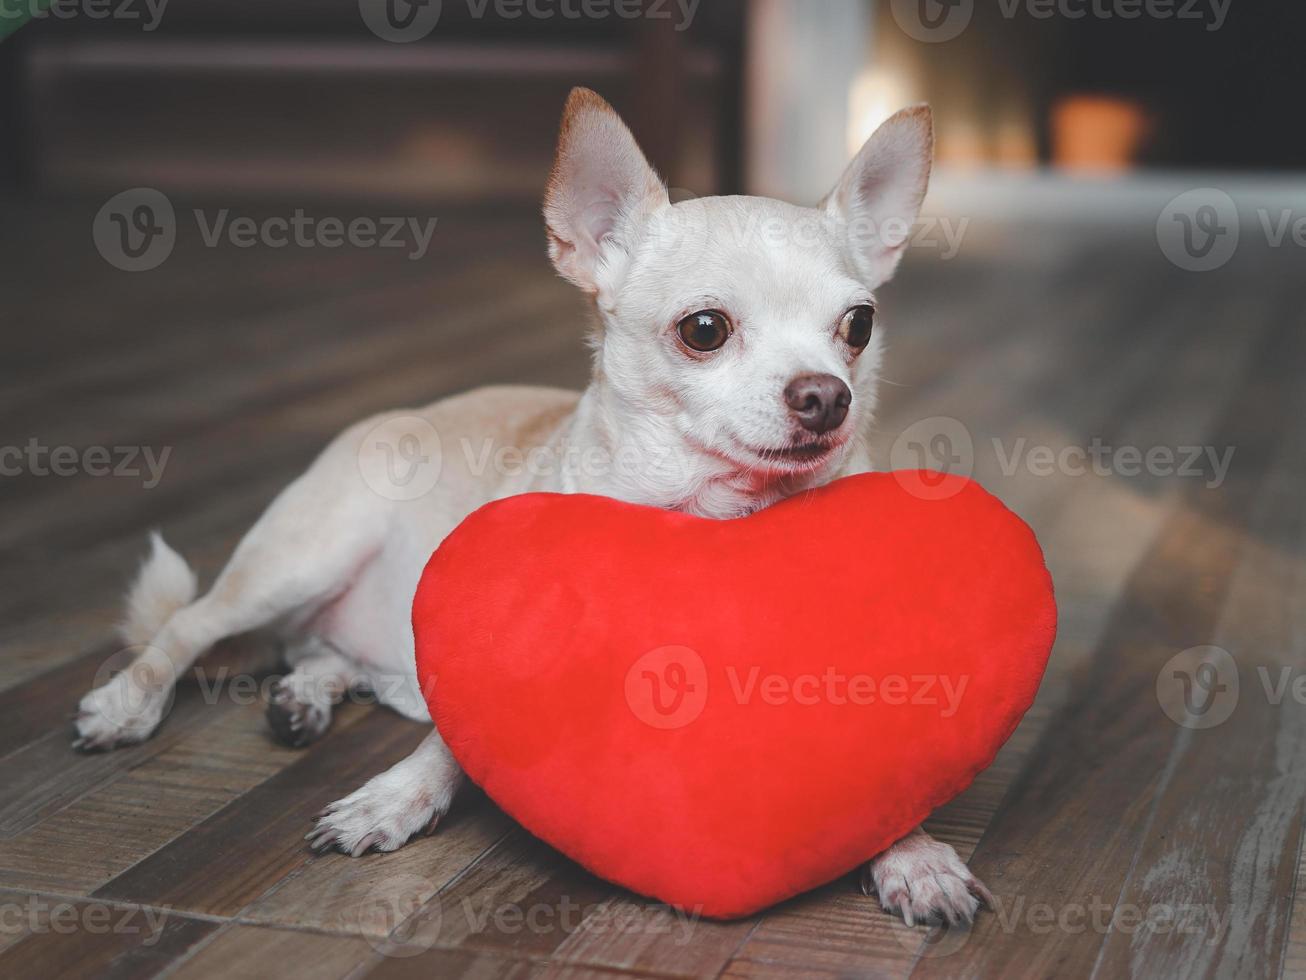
43, 772
521, 898
82, 939
132, 813
464, 964
374, 896
47, 700
641, 937
1096, 771
233, 858
1294, 959
239, 952
1217, 879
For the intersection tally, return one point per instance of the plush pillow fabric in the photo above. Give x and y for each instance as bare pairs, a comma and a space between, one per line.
722, 714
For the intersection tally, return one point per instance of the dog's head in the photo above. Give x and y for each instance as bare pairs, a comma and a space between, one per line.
743, 328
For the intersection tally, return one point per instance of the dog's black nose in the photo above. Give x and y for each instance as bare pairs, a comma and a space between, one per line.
819, 401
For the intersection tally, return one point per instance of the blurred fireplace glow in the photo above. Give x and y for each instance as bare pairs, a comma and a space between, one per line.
876, 94
1097, 133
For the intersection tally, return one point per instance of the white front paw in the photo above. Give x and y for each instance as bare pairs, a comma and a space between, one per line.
383, 815
924, 881
122, 712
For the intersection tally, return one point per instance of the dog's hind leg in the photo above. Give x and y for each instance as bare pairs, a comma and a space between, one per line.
300, 706
304, 551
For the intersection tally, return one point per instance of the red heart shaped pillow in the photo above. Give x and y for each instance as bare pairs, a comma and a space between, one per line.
722, 714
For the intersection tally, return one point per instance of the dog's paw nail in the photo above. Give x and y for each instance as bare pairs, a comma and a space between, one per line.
364, 845
925, 882
867, 882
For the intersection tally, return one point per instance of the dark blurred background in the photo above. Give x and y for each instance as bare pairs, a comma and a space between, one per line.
258, 98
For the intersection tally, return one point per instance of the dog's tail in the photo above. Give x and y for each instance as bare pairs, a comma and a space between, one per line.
164, 584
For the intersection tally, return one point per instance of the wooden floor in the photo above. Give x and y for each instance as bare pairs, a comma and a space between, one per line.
1117, 841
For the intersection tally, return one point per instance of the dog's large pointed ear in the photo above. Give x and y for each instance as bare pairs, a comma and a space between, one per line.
879, 196
601, 183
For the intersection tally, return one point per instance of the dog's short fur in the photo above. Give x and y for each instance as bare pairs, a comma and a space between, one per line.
333, 563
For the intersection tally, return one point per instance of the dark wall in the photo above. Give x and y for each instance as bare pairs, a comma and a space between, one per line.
476, 99
1226, 98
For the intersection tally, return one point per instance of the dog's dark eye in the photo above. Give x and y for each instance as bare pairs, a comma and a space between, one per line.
704, 331
857, 325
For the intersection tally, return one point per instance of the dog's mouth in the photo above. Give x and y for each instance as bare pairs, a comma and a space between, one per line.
797, 457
